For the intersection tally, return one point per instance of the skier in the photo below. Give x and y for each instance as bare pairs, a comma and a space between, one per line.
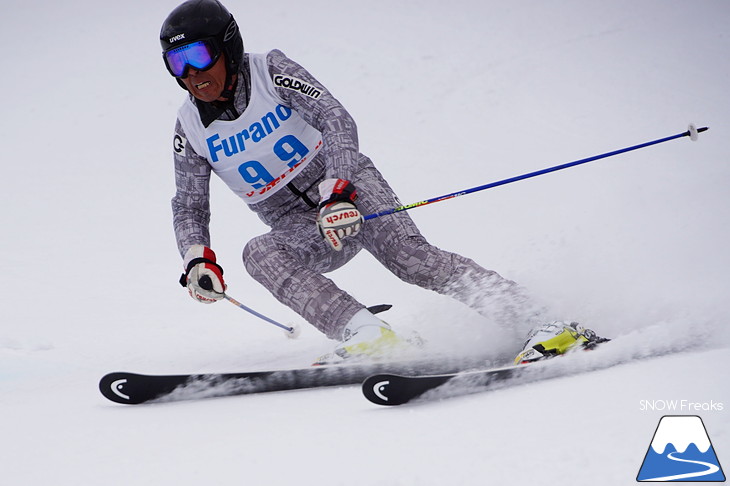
282, 142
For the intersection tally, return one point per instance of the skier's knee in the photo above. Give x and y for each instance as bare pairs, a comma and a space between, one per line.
254, 253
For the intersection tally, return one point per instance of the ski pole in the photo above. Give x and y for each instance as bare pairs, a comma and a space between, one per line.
692, 133
291, 331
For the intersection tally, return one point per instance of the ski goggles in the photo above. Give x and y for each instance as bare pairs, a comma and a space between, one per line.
200, 55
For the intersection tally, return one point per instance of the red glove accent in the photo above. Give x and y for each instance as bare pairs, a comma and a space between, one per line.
336, 190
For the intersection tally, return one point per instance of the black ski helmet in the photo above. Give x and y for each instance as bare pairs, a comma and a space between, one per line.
196, 20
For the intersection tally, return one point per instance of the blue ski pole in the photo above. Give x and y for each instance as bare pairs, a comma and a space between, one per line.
692, 133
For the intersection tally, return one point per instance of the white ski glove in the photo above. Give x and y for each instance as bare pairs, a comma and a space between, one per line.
338, 216
203, 276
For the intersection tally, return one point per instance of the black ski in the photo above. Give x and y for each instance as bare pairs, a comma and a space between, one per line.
134, 388
396, 389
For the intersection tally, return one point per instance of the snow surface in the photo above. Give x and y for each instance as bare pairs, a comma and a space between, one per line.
446, 96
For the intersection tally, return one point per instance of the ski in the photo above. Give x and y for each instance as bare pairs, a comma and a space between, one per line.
396, 389
134, 388
393, 388
399, 388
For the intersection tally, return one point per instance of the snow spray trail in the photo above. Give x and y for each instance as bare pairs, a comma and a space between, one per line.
650, 342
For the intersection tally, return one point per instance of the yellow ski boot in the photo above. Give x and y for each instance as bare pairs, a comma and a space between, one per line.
556, 338
367, 338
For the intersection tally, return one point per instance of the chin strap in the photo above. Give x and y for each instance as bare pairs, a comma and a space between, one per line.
229, 92
209, 112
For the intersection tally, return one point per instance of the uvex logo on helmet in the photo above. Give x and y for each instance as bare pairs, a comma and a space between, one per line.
177, 38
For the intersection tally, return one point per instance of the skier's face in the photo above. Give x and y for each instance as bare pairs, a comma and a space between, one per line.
207, 85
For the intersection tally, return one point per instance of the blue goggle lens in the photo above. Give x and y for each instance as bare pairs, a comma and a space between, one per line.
198, 55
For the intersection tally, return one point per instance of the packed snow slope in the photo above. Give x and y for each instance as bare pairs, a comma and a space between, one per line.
447, 95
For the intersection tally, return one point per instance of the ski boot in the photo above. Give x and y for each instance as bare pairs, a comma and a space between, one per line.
556, 338
367, 338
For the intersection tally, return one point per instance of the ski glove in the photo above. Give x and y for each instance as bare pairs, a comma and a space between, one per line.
203, 276
338, 216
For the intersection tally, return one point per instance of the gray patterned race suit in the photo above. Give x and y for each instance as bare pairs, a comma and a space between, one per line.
290, 259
